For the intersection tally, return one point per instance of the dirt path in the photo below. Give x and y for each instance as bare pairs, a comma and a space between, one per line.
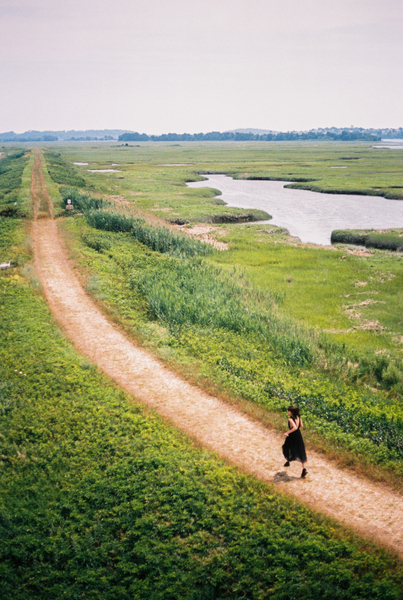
41, 203
372, 509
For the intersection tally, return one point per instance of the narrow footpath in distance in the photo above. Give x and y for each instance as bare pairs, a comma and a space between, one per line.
372, 509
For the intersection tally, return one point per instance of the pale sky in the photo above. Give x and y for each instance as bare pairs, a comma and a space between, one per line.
159, 66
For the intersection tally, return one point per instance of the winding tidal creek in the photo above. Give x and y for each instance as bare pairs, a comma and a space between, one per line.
310, 216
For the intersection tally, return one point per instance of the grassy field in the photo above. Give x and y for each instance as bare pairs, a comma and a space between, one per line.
317, 326
102, 500
146, 183
153, 171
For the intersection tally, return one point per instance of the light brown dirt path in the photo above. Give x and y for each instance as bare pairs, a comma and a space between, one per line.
372, 509
41, 203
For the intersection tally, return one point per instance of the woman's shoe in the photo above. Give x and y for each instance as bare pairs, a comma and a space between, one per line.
287, 464
304, 473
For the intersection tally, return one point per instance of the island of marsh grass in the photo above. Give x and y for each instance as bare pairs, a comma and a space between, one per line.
385, 240
104, 500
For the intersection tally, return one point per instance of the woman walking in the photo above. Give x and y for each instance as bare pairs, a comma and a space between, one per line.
293, 447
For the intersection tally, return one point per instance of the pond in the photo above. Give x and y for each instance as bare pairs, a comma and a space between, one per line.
310, 216
103, 171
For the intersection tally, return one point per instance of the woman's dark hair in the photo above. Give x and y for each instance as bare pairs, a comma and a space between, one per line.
294, 410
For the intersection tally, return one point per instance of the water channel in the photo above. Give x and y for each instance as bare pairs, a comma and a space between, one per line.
310, 216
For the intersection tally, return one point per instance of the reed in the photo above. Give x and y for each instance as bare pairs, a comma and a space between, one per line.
190, 292
159, 239
385, 241
81, 201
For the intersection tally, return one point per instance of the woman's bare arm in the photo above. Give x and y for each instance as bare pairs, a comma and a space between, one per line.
293, 428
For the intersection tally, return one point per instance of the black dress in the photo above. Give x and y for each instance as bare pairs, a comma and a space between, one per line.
293, 447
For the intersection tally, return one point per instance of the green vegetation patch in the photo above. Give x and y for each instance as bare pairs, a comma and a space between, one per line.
215, 322
80, 201
9, 231
102, 215
11, 169
191, 293
388, 240
62, 171
100, 500
160, 239
356, 365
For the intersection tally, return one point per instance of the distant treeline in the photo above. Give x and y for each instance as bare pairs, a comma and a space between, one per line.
27, 137
123, 135
55, 136
237, 136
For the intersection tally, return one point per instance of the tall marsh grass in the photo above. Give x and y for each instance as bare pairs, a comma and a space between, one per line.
159, 239
194, 293
80, 200
370, 239
110, 220
190, 292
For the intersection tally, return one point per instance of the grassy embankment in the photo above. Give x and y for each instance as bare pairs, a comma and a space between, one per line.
260, 339
102, 500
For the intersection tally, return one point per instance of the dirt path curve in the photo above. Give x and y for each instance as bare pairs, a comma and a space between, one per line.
370, 508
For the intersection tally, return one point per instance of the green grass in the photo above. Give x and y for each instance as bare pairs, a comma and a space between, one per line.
355, 366
102, 500
145, 178
214, 323
12, 167
390, 240
61, 171
318, 284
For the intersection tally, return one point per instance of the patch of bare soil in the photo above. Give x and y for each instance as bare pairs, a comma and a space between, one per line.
201, 232
118, 200
359, 252
372, 509
352, 313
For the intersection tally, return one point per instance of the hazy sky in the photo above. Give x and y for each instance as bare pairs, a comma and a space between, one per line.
159, 66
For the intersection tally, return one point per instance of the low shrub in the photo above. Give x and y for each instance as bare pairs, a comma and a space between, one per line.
366, 422
98, 242
10, 211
